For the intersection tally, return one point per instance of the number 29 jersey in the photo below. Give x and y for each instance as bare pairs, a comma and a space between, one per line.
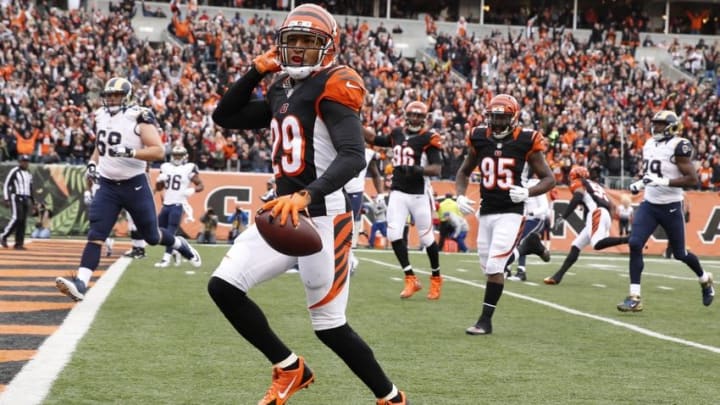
302, 149
501, 163
120, 128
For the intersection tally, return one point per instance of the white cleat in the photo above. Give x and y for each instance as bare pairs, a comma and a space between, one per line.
162, 263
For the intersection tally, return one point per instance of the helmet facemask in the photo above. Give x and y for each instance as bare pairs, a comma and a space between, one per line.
117, 95
501, 124
296, 46
663, 130
178, 156
415, 121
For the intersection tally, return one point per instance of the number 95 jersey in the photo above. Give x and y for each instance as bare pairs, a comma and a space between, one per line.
120, 128
501, 163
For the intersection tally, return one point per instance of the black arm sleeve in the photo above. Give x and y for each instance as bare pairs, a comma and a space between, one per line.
577, 197
236, 111
345, 130
382, 140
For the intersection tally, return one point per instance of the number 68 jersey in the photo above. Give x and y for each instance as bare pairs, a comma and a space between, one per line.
120, 128
501, 163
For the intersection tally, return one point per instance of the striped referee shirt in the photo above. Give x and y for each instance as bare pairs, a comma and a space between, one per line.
18, 182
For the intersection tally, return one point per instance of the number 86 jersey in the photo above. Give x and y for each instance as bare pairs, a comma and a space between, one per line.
120, 129
501, 164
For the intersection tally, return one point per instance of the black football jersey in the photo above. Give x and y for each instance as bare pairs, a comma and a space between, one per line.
594, 196
501, 164
409, 150
302, 148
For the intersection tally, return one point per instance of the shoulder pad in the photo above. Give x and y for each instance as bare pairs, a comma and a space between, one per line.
683, 148
345, 86
141, 115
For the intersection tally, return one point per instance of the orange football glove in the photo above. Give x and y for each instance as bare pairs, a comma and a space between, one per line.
268, 62
288, 205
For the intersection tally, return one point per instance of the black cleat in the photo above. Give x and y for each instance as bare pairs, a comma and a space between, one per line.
533, 245
708, 290
480, 328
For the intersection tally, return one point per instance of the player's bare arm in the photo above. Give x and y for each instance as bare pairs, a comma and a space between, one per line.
197, 181
462, 178
152, 149
689, 176
539, 165
375, 175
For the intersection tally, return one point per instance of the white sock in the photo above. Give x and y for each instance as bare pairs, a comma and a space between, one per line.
138, 243
292, 358
356, 233
704, 277
392, 394
177, 243
84, 274
166, 257
635, 289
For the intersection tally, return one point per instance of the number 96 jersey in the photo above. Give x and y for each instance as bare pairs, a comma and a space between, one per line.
501, 163
177, 178
120, 128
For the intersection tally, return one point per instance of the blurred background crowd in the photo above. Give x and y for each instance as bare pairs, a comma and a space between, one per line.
591, 98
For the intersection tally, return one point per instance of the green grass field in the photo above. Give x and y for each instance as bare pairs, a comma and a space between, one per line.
159, 339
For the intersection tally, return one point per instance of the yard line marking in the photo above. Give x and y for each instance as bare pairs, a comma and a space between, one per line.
33, 382
634, 328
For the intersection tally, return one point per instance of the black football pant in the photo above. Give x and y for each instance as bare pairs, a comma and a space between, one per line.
19, 207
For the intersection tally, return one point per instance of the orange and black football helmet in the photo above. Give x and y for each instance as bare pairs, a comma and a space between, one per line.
313, 21
502, 115
579, 172
416, 114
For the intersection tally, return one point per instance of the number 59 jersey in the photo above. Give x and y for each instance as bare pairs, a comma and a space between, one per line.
501, 163
177, 179
120, 128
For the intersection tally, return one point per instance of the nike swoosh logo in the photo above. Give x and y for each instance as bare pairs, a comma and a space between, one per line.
352, 86
138, 188
283, 394
673, 210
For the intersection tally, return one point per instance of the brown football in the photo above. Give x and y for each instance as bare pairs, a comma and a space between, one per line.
303, 240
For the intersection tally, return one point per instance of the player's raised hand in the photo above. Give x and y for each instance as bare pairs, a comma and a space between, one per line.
267, 62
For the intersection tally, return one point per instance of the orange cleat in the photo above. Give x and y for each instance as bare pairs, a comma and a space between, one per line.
435, 286
412, 285
286, 382
403, 400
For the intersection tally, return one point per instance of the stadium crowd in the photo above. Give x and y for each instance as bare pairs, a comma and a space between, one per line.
593, 100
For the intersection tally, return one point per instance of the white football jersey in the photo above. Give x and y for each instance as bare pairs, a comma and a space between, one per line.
357, 183
659, 160
120, 129
537, 206
179, 179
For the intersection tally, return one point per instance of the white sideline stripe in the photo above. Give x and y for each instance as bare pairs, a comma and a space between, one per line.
634, 328
33, 382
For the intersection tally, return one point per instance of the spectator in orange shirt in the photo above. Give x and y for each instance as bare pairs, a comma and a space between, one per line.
705, 173
696, 20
